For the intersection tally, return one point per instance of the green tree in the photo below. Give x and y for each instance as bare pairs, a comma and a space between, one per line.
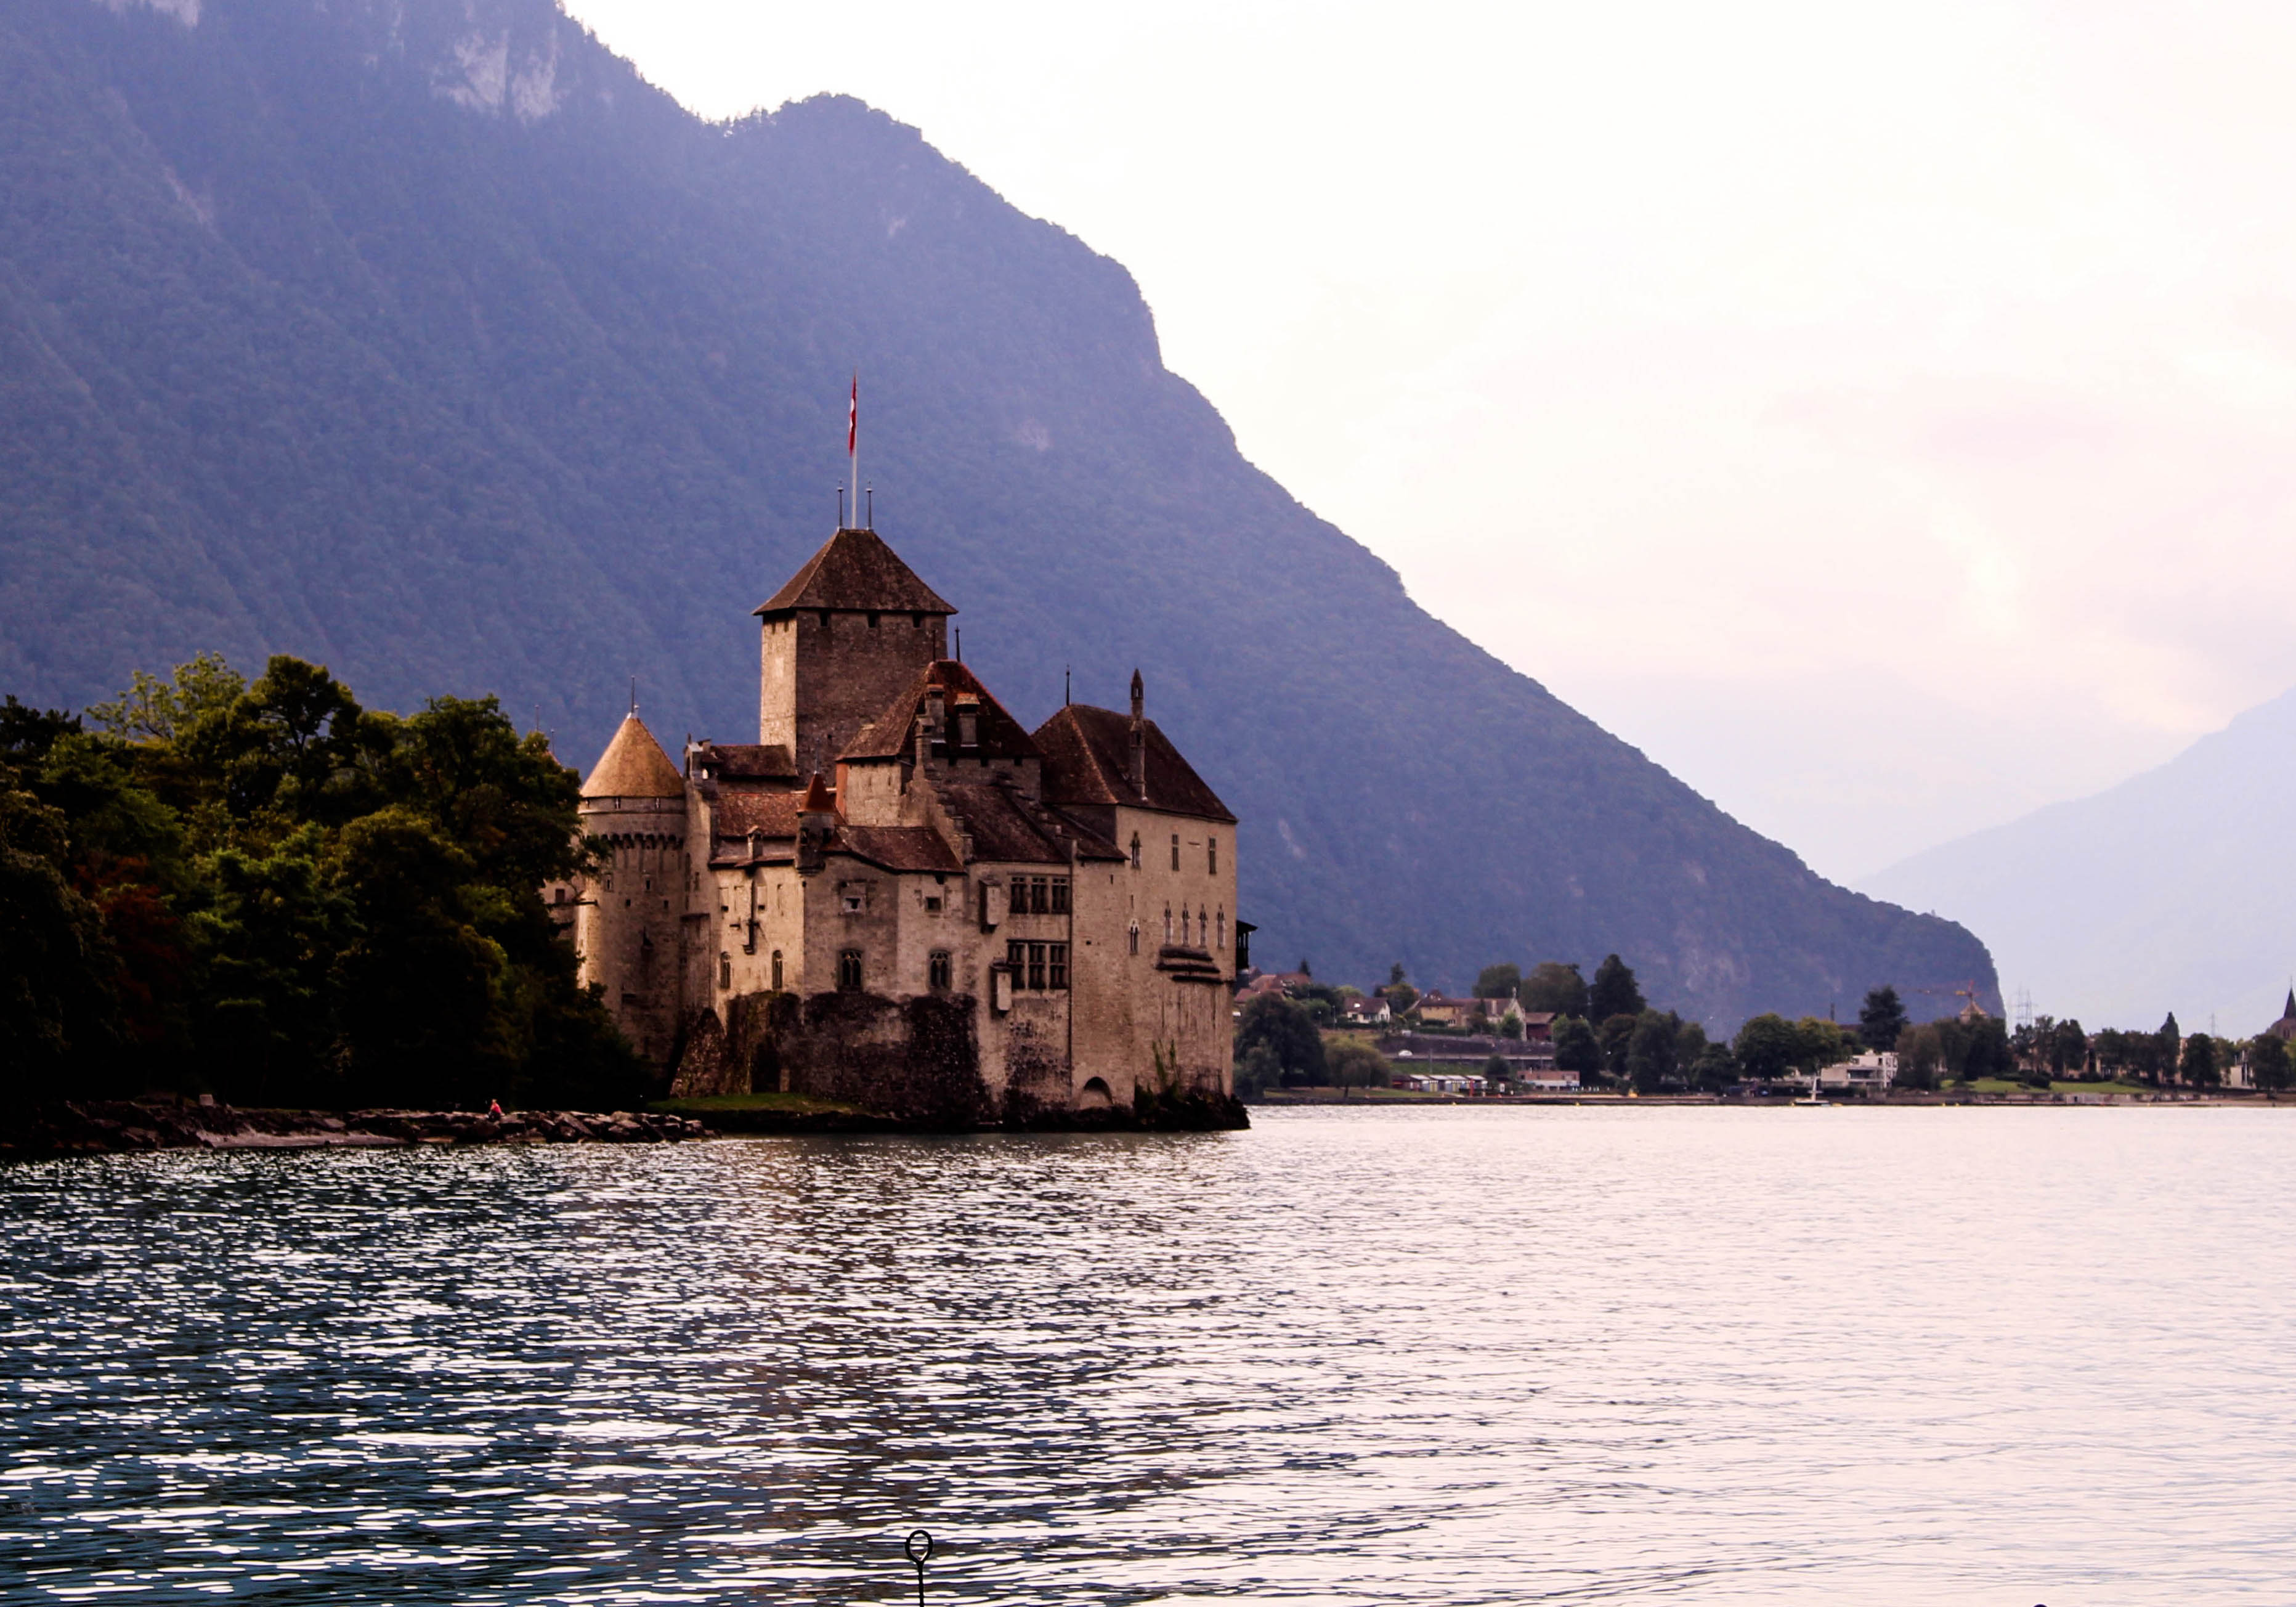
1651, 1049
1690, 1042
1398, 993
271, 934
2067, 1049
2268, 1062
2168, 1045
1353, 1064
1617, 1035
1768, 1047
154, 710
1880, 1019
59, 1004
1716, 1068
1501, 981
1921, 1053
1288, 1033
1614, 991
1820, 1043
1496, 1072
2200, 1065
1257, 1070
1556, 987
1577, 1048
1988, 1051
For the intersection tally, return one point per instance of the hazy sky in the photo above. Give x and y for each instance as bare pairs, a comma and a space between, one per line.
1878, 413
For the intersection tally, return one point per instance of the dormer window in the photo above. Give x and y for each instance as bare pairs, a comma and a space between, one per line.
968, 729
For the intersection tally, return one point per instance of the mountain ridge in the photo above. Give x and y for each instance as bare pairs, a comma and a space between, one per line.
2169, 890
429, 341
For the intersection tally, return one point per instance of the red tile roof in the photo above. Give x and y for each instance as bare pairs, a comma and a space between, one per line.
1088, 760
855, 571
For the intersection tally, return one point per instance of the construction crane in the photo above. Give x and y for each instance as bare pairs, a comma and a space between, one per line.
1967, 990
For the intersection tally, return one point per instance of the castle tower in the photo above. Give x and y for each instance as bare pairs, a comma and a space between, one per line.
626, 929
838, 643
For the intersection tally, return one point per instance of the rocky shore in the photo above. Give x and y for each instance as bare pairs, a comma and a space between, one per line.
108, 1128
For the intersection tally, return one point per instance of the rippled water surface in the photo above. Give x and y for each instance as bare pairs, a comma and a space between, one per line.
1439, 1356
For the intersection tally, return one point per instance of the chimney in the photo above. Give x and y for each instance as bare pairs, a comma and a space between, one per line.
1139, 775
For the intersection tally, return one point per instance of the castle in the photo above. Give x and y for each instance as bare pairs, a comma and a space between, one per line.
899, 897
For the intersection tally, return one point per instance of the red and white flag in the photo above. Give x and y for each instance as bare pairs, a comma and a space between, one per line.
853, 418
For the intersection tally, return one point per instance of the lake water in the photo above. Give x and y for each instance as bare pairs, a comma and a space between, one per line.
1440, 1356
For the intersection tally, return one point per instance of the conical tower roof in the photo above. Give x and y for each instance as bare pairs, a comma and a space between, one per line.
634, 766
854, 571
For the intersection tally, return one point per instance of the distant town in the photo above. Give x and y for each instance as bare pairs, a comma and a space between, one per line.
1554, 1031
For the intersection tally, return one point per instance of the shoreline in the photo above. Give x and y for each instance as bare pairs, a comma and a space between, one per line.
134, 1127
1391, 1099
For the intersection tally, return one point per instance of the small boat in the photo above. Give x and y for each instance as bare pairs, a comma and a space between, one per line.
1812, 1098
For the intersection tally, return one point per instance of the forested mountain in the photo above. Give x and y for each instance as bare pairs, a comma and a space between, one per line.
2174, 890
423, 338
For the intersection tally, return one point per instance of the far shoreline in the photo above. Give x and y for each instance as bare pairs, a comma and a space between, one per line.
1398, 1099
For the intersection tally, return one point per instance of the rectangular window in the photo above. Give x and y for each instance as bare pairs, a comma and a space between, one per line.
1036, 966
852, 897
1056, 965
937, 970
1212, 853
1176, 850
1060, 894
1040, 898
932, 904
1016, 955
848, 969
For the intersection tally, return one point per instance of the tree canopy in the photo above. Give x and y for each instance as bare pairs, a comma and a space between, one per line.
1614, 991
266, 892
1556, 986
1501, 981
1882, 1018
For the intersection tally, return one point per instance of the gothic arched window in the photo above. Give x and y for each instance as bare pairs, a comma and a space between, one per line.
1135, 856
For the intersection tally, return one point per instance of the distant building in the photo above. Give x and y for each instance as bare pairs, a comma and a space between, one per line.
1443, 1082
1359, 1012
1870, 1070
2284, 1028
1437, 1010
